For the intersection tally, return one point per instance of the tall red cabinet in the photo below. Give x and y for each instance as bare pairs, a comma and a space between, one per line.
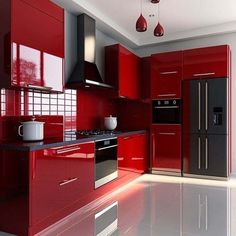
32, 39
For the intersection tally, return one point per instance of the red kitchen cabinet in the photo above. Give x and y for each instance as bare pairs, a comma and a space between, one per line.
32, 36
123, 71
133, 152
146, 78
59, 177
166, 148
166, 75
209, 62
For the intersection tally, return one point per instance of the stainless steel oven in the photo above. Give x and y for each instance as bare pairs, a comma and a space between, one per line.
106, 165
166, 111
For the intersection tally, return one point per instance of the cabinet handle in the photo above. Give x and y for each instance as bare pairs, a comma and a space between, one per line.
206, 154
39, 87
203, 74
199, 106
206, 105
167, 95
103, 148
167, 133
199, 153
161, 107
67, 181
169, 72
125, 138
65, 150
137, 158
120, 158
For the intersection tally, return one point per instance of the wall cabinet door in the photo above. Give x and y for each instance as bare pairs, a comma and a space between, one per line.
166, 75
60, 176
37, 44
123, 71
209, 62
205, 210
166, 147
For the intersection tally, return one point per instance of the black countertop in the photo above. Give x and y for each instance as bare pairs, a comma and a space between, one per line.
67, 140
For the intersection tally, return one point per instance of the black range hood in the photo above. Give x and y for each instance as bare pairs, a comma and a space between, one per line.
86, 72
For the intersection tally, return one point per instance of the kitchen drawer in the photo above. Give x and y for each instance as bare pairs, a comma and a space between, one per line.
60, 176
166, 147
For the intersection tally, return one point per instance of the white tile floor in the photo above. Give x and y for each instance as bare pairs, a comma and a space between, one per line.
157, 205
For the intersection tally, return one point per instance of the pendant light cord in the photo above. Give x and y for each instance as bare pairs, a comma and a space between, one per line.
141, 6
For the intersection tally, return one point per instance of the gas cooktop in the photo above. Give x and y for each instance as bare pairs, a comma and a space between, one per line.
88, 133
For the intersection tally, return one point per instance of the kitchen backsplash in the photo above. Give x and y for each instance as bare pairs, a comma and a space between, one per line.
24, 103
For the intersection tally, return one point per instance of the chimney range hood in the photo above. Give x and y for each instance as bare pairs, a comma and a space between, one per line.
85, 72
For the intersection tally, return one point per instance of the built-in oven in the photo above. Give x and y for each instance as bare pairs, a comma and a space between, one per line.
106, 165
166, 111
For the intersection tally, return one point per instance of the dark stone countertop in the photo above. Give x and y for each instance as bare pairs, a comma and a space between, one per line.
68, 139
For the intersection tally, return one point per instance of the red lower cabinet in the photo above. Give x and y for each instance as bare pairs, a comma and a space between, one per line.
133, 152
166, 148
58, 179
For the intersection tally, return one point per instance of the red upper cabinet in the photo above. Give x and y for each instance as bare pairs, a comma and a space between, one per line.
33, 42
123, 71
209, 62
166, 75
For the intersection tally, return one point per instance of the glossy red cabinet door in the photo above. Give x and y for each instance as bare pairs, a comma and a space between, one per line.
209, 62
36, 40
166, 147
59, 177
133, 152
166, 75
123, 70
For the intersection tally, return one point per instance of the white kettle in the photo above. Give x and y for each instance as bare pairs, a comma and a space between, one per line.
110, 122
31, 130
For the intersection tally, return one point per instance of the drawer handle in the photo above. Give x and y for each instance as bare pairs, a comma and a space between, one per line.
167, 133
67, 181
167, 95
103, 148
65, 150
203, 74
169, 72
39, 87
164, 107
137, 158
120, 158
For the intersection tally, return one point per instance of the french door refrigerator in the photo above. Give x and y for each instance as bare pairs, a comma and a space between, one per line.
206, 128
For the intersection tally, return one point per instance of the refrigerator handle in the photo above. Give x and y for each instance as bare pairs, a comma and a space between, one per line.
199, 153
199, 106
206, 153
206, 106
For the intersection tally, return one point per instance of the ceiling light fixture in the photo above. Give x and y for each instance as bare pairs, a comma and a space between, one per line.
141, 23
159, 30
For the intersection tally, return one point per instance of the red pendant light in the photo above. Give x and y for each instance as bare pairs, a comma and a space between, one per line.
141, 23
159, 30
155, 1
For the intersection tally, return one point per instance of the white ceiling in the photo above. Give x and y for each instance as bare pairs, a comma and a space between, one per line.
181, 19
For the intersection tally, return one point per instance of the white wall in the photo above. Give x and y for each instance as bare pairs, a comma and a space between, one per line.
229, 39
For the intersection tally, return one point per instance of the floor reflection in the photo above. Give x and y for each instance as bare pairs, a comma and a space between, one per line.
155, 205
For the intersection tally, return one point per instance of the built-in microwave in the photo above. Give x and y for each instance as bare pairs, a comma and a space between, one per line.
166, 111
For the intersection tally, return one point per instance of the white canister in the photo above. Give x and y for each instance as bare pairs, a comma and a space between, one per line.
110, 122
31, 130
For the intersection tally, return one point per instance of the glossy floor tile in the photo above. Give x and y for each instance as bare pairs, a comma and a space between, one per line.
157, 205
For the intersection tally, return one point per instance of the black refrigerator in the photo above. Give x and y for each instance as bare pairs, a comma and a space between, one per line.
206, 128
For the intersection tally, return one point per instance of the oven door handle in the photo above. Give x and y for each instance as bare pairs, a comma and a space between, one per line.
103, 148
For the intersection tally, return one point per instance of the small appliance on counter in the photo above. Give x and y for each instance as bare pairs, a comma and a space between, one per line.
31, 130
110, 122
